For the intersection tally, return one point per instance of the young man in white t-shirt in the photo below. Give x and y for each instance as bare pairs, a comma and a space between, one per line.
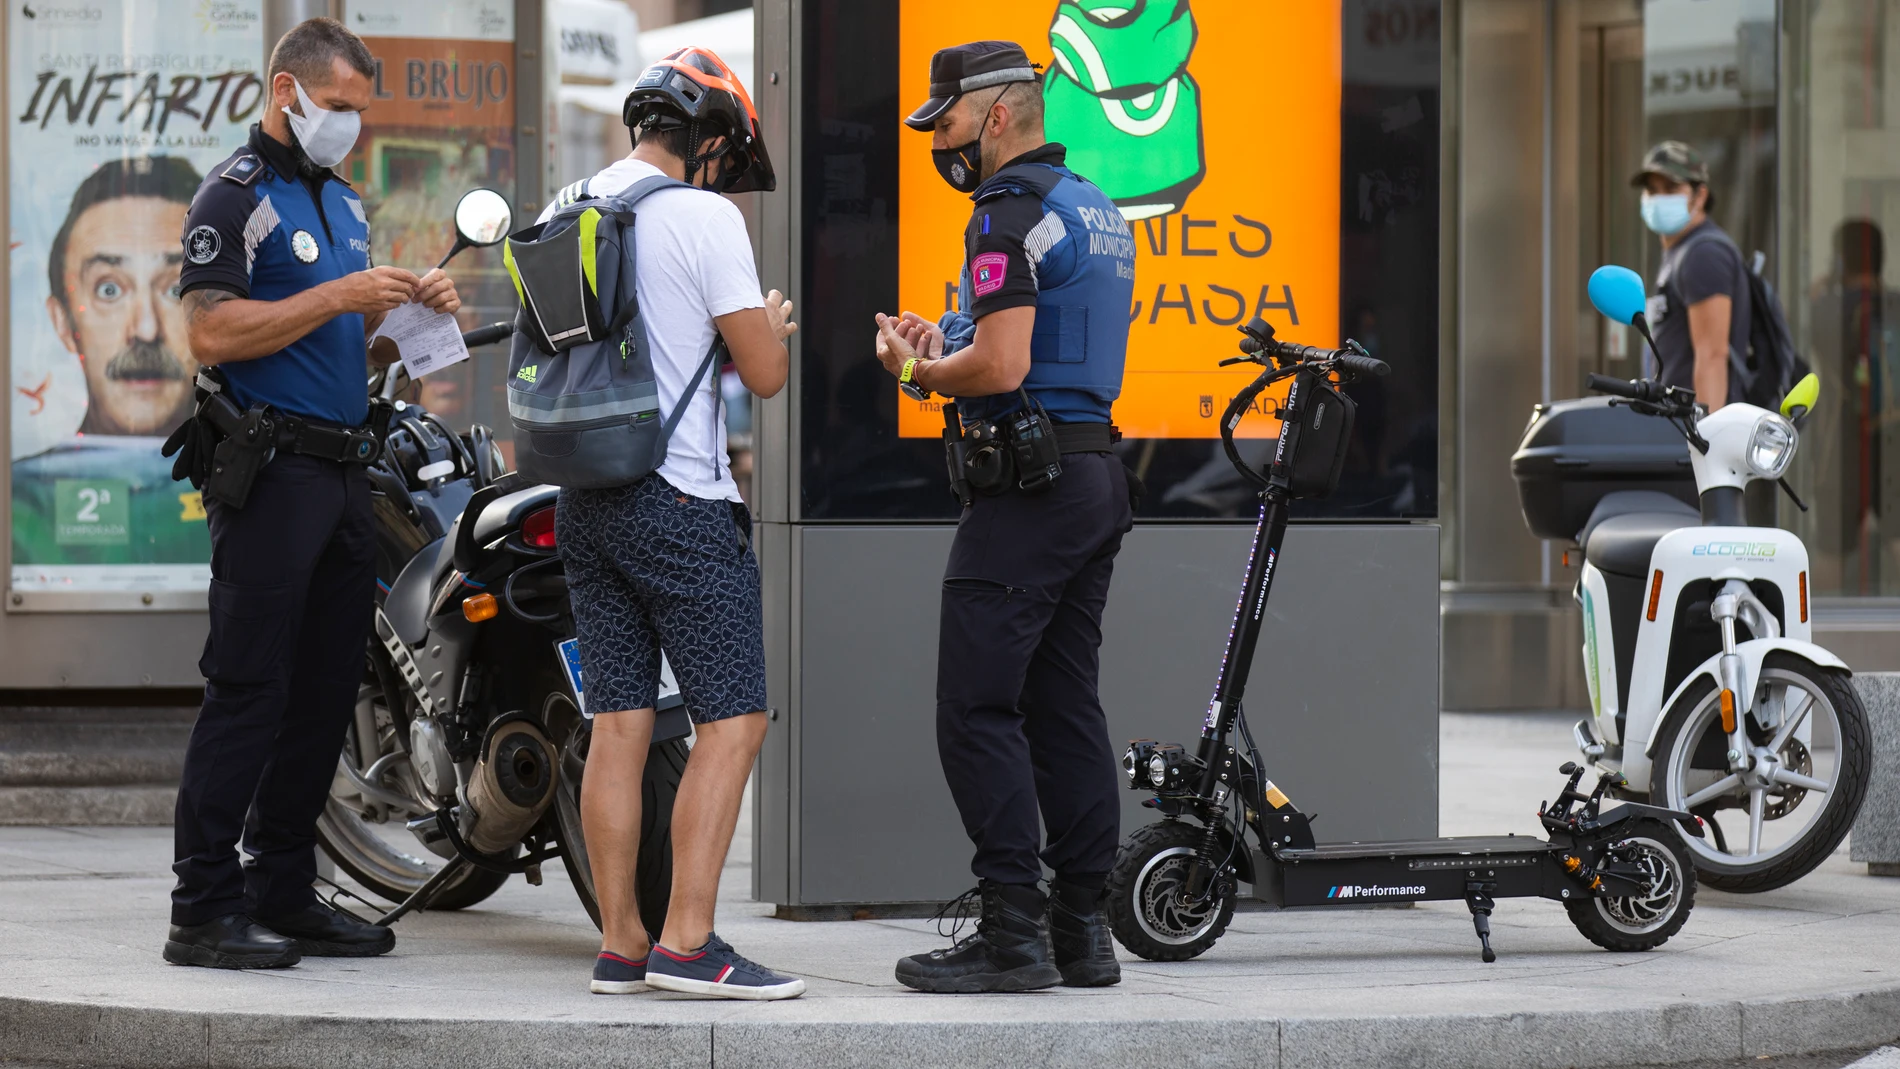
666, 563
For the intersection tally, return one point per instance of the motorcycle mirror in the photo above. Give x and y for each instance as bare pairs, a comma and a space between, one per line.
1800, 400
1618, 293
482, 218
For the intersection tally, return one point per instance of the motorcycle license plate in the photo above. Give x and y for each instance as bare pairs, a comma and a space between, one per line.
569, 653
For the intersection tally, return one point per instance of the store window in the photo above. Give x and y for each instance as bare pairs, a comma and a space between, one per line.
1840, 287
1314, 206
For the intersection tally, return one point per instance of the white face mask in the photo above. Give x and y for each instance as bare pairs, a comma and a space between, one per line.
326, 136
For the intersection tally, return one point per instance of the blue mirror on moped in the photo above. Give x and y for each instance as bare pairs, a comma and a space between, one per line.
1618, 293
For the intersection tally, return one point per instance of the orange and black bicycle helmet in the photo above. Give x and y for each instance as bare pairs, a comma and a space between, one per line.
694, 90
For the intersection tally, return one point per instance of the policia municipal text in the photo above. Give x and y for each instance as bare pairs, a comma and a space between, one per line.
1034, 358
279, 295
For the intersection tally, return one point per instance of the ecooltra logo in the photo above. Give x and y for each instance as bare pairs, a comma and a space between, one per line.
56, 15
1744, 550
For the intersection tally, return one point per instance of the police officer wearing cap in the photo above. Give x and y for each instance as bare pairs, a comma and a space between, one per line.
1033, 361
279, 295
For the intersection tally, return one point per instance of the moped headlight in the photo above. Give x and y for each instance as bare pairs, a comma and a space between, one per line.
1128, 766
1158, 770
1771, 446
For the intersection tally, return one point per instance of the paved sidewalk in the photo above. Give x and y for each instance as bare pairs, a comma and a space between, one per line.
1813, 967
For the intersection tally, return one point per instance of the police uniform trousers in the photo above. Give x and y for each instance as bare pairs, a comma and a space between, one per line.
293, 585
1020, 728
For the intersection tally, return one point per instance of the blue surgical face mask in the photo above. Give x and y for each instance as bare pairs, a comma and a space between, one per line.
1666, 213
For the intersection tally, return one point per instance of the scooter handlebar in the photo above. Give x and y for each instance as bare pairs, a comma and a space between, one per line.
1364, 365
1638, 390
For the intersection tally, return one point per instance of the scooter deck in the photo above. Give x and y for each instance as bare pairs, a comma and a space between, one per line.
1416, 870
1475, 845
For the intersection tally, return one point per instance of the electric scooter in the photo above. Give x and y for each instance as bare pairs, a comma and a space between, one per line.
1706, 690
1621, 869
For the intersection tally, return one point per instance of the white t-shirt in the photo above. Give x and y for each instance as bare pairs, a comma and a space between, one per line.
694, 265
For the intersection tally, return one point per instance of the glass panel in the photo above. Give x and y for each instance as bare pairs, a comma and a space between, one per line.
1378, 277
1845, 309
1709, 80
443, 122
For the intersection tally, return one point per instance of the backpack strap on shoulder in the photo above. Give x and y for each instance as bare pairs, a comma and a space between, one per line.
692, 387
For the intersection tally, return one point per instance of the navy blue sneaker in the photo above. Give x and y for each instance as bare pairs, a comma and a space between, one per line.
717, 970
618, 975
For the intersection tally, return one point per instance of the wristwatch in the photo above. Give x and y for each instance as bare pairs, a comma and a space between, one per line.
905, 382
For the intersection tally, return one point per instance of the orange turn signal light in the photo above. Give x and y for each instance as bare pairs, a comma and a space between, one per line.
479, 607
1728, 710
1804, 597
1655, 594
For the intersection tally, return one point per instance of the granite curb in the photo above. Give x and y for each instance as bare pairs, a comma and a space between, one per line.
127, 1037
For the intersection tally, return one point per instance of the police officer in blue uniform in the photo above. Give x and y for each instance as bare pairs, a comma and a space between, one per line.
280, 293
1034, 362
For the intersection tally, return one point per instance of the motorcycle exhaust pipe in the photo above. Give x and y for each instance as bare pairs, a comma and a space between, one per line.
512, 785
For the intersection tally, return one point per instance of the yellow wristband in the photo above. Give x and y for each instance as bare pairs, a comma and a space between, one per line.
909, 366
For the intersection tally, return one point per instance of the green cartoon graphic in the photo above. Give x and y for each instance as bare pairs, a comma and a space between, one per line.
1123, 102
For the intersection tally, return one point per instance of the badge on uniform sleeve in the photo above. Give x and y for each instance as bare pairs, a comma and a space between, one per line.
202, 244
988, 272
304, 246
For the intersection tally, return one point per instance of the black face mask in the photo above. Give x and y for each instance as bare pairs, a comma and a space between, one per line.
962, 167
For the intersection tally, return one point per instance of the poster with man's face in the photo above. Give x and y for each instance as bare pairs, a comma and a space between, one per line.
117, 110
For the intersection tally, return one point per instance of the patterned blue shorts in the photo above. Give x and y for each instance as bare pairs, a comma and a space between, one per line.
650, 569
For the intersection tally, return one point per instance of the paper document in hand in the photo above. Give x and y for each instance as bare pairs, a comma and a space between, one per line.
425, 341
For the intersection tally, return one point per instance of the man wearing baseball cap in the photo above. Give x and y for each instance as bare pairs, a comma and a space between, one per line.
1033, 357
1700, 314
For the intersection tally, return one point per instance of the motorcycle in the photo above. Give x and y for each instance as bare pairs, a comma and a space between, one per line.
464, 760
1706, 690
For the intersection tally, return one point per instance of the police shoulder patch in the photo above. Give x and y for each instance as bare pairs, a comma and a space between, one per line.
202, 244
244, 170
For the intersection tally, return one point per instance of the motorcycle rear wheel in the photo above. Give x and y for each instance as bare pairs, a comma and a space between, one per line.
659, 786
388, 861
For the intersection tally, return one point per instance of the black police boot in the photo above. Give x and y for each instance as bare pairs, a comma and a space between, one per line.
233, 941
1009, 952
1078, 930
322, 932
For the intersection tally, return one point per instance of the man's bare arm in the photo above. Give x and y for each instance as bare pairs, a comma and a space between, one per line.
1708, 334
225, 328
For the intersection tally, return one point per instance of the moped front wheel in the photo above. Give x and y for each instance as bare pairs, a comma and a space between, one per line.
1146, 907
1799, 786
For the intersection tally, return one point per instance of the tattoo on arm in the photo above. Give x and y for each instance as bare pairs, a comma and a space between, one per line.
199, 303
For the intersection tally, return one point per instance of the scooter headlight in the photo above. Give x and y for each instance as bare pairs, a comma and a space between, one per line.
1158, 770
1771, 447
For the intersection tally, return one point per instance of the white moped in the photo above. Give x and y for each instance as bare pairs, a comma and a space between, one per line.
1706, 691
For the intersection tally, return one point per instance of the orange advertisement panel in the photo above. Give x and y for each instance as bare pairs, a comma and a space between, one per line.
1228, 173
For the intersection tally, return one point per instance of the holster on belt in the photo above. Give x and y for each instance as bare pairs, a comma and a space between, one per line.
221, 448
953, 454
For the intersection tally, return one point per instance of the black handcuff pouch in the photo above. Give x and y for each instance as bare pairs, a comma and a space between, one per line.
1032, 443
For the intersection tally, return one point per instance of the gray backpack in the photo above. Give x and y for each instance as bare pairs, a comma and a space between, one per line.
581, 394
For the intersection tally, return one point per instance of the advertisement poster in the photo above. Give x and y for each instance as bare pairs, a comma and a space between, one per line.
116, 108
442, 122
1215, 126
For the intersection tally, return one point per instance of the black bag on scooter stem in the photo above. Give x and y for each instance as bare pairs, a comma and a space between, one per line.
1314, 439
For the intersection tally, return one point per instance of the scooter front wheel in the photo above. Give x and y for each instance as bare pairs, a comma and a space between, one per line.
1799, 786
1145, 908
1645, 920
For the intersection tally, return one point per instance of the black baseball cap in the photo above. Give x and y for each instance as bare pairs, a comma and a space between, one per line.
964, 68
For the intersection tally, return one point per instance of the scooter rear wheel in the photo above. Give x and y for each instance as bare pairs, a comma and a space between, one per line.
1144, 910
1645, 920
